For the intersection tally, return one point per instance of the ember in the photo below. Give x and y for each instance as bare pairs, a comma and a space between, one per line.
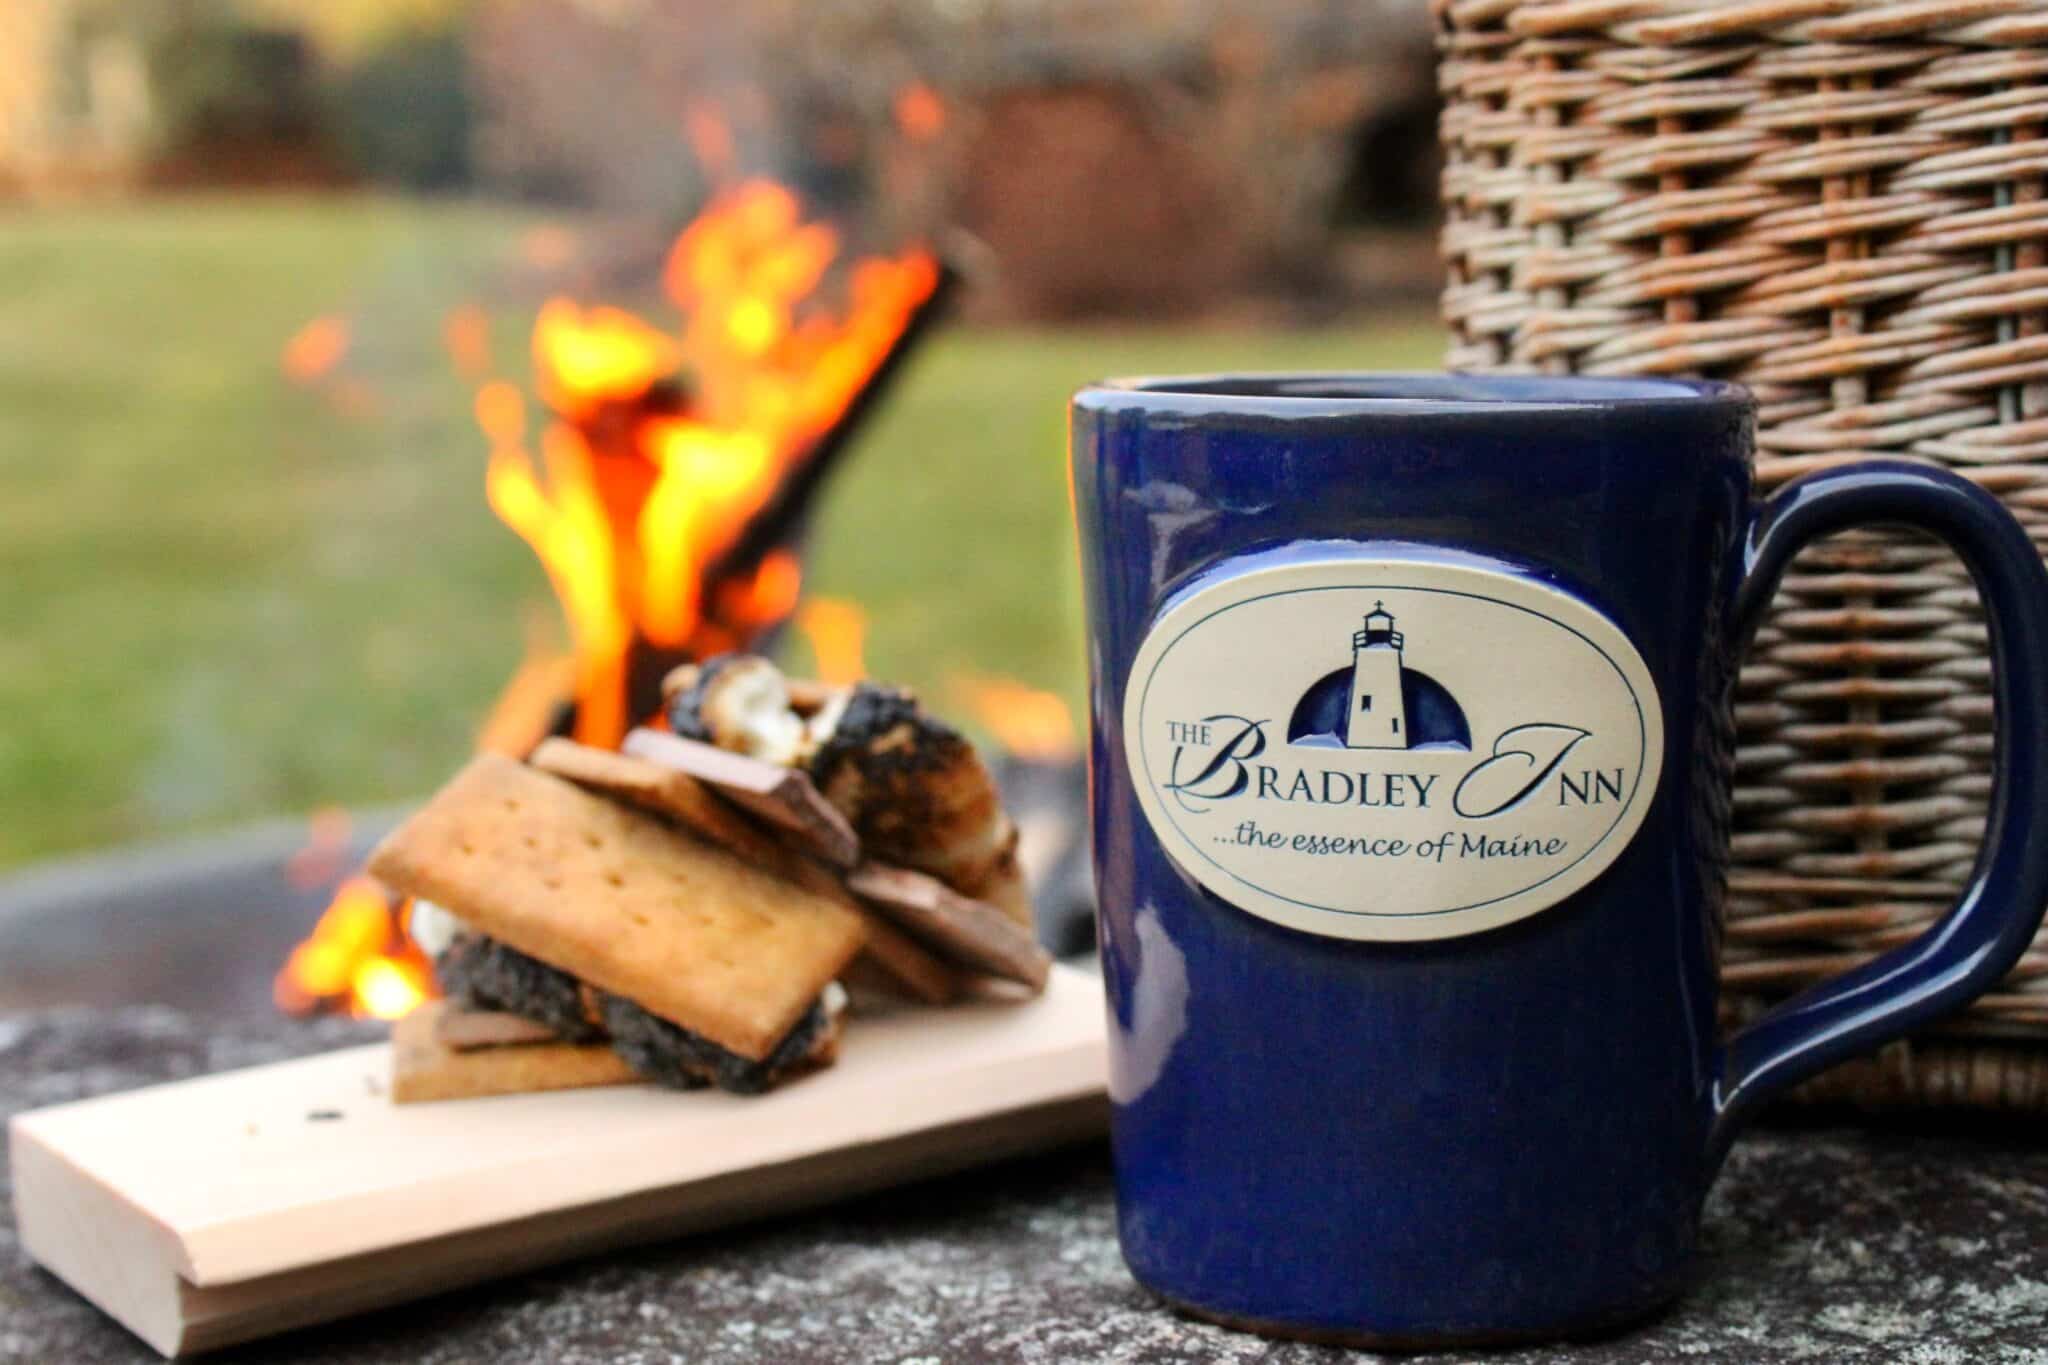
920, 113
315, 349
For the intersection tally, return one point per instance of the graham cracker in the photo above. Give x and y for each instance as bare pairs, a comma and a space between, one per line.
622, 901
663, 790
784, 797
425, 1068
463, 1029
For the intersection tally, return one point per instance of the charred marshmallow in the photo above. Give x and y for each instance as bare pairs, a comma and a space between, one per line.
746, 709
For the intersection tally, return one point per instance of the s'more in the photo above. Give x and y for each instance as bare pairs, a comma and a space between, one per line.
603, 920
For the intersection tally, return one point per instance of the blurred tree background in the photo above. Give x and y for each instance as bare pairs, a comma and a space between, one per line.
234, 594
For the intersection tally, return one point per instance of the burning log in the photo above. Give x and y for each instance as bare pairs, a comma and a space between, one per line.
782, 521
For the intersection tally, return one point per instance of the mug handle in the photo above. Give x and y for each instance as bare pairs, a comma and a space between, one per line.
1978, 941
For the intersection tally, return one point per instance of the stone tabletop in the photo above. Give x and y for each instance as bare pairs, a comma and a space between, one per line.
1831, 1245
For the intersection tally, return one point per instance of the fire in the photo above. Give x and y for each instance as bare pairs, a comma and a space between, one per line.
1029, 723
385, 989
919, 112
315, 349
769, 596
646, 457
597, 356
657, 447
358, 955
529, 704
837, 632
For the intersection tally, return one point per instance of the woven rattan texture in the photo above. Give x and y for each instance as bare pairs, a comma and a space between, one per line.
1841, 205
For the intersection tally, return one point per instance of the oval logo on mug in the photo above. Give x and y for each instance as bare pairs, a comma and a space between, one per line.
1391, 749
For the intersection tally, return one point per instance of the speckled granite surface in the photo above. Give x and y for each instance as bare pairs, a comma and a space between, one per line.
1832, 1246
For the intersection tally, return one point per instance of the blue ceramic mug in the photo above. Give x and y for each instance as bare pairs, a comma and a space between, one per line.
1411, 762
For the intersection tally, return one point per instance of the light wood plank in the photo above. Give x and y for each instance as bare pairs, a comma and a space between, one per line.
215, 1210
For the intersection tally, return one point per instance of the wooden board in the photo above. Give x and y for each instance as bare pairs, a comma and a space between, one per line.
216, 1210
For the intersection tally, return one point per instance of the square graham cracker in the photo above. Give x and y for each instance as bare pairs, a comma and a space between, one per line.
620, 900
664, 791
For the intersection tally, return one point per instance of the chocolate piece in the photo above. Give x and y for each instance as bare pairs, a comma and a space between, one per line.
971, 932
784, 797
424, 1068
464, 1029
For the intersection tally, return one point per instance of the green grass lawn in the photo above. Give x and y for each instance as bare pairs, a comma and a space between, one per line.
223, 597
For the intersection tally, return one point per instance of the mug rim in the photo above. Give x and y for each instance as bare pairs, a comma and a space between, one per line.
1361, 393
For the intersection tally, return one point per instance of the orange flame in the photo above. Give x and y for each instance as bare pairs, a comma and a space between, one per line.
920, 113
769, 596
651, 453
357, 954
600, 355
837, 631
315, 349
527, 706
642, 483
1029, 723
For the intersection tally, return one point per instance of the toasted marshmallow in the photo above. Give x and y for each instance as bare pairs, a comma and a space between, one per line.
824, 722
431, 927
746, 708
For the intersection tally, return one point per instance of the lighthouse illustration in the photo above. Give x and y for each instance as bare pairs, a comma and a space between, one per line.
1378, 716
1378, 701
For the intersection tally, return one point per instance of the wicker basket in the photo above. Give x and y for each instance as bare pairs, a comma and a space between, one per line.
1841, 205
